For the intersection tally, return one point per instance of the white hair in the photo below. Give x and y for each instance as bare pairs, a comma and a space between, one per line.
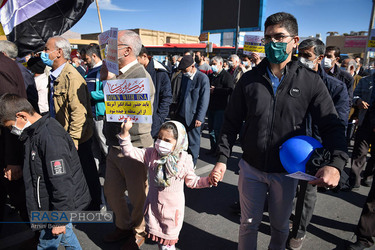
353, 63
64, 44
218, 59
133, 40
9, 48
235, 57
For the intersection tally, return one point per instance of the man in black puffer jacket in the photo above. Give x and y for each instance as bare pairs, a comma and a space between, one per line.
52, 172
273, 100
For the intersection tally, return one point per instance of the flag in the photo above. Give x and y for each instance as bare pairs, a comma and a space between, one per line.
29, 23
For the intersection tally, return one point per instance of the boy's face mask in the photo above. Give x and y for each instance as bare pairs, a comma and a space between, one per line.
18, 131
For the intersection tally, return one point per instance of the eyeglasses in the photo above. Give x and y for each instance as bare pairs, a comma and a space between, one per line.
126, 46
275, 38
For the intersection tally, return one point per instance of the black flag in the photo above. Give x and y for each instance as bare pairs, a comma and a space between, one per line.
29, 23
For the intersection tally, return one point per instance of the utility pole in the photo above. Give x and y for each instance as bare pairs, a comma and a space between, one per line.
238, 25
100, 19
366, 59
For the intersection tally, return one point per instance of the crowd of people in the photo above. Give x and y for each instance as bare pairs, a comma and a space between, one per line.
55, 141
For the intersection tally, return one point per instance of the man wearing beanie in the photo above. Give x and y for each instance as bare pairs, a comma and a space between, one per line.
192, 102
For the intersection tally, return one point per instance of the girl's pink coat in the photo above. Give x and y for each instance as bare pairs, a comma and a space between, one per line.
164, 207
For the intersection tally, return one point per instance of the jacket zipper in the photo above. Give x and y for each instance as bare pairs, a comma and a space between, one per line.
269, 132
37, 192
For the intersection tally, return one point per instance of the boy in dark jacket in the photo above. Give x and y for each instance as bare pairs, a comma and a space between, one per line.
52, 172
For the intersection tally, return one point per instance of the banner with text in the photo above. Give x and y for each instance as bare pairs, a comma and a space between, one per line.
371, 41
128, 98
108, 49
253, 44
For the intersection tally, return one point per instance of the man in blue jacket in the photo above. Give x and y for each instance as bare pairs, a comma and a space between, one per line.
163, 93
92, 58
311, 53
332, 57
192, 104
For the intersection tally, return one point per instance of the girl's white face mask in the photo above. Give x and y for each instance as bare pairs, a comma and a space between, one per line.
164, 148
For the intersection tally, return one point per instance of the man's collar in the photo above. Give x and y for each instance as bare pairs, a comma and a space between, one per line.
98, 64
55, 73
218, 73
192, 76
128, 66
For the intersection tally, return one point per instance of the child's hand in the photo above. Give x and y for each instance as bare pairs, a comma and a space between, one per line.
217, 173
214, 178
125, 127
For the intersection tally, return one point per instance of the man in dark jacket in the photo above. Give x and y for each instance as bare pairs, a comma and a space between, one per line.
192, 102
221, 86
11, 149
365, 230
163, 93
273, 99
10, 50
332, 57
52, 172
310, 53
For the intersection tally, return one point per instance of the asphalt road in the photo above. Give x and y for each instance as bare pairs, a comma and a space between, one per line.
211, 224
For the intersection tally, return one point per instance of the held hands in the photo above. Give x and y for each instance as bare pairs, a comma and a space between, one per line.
125, 127
58, 230
328, 177
214, 178
217, 173
13, 172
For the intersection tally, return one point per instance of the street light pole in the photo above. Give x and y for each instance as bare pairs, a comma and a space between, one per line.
366, 59
238, 25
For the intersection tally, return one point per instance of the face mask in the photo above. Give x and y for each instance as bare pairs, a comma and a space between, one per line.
326, 63
118, 59
230, 63
177, 63
45, 59
164, 148
345, 69
276, 52
18, 131
307, 63
188, 74
246, 63
214, 68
